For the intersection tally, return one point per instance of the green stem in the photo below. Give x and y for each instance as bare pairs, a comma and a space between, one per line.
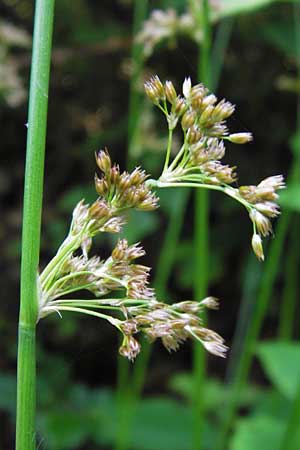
271, 269
289, 297
243, 365
201, 235
168, 153
289, 440
134, 119
33, 189
135, 97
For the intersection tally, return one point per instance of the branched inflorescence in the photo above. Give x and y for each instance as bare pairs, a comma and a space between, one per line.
118, 283
198, 162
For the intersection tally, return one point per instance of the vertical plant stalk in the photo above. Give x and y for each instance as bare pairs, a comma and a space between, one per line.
135, 97
33, 190
270, 272
124, 394
167, 253
290, 290
201, 234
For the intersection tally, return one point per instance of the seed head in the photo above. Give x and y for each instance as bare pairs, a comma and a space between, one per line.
240, 138
155, 90
188, 119
257, 246
130, 347
261, 222
103, 160
170, 92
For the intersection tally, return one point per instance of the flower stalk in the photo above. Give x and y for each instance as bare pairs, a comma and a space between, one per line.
37, 120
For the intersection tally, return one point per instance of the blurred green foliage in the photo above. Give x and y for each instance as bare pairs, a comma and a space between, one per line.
88, 109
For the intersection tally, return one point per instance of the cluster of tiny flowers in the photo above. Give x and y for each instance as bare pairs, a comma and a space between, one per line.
197, 163
173, 324
135, 308
167, 25
123, 190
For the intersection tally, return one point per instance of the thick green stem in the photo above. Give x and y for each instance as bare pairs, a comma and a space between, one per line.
37, 120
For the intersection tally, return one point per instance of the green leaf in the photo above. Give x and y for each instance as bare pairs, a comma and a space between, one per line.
281, 362
290, 197
215, 393
233, 7
255, 433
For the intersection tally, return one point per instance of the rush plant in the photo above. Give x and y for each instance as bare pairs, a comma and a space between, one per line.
122, 295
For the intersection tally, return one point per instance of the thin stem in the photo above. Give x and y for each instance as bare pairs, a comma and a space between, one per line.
168, 153
201, 233
134, 120
271, 269
83, 311
33, 191
226, 190
289, 297
292, 424
135, 98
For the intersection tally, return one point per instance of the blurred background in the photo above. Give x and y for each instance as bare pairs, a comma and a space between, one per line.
102, 52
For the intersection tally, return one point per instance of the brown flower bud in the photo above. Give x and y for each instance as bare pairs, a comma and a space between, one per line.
188, 119
179, 106
155, 89
101, 186
240, 138
257, 246
193, 135
170, 92
103, 160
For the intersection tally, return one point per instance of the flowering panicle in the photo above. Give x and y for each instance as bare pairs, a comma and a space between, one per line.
173, 324
202, 119
135, 308
121, 286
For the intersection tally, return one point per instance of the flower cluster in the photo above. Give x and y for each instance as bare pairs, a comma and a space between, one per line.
120, 285
173, 324
197, 163
167, 25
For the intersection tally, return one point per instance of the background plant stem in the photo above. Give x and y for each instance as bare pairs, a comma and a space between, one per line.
271, 269
201, 234
33, 189
124, 394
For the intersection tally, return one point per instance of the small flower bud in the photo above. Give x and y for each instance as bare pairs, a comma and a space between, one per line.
262, 222
99, 209
210, 302
179, 106
101, 186
154, 89
186, 87
193, 135
223, 110
257, 246
206, 116
188, 119
119, 252
130, 348
240, 138
114, 174
170, 92
103, 161
208, 100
